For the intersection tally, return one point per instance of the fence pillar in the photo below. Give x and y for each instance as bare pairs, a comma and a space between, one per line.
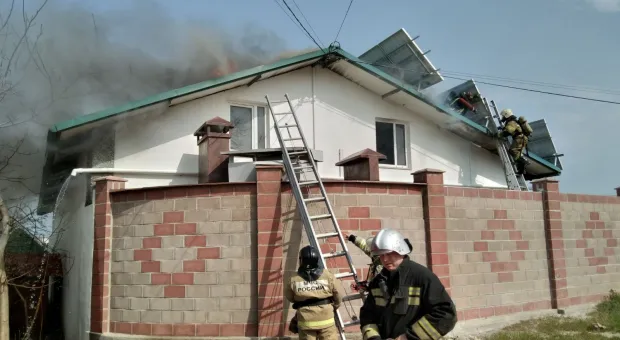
555, 241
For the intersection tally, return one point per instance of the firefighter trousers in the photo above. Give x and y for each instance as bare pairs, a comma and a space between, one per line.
329, 333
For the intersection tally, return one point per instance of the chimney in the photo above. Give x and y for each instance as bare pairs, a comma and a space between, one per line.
213, 139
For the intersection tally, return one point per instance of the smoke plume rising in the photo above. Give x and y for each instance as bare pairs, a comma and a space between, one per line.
84, 62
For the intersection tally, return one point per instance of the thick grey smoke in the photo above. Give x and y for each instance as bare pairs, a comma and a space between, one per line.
85, 62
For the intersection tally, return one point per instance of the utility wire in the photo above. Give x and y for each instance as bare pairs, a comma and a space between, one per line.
302, 25
290, 17
308, 21
536, 83
343, 19
500, 85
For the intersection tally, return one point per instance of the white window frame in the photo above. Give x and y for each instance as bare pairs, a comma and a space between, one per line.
406, 141
254, 107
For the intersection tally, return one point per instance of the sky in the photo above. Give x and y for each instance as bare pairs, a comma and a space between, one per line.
571, 42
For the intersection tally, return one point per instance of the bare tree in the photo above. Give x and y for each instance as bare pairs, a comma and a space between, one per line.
16, 49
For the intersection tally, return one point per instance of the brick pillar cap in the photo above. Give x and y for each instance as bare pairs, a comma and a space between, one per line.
618, 188
428, 170
269, 167
548, 180
356, 157
109, 179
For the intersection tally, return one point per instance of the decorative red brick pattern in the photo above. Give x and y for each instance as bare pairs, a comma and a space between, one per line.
361, 208
100, 291
198, 330
497, 255
591, 228
181, 260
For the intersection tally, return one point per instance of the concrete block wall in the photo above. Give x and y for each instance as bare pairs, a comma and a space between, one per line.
498, 255
182, 261
591, 228
211, 260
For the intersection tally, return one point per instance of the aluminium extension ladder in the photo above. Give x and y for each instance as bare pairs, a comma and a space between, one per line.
292, 171
514, 181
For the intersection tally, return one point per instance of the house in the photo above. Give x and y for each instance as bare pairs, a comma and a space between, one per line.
344, 103
153, 207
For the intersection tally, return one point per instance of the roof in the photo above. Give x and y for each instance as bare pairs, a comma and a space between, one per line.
336, 59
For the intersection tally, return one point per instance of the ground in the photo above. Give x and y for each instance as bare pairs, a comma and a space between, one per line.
602, 323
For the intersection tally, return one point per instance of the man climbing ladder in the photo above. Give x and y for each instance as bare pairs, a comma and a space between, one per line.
520, 131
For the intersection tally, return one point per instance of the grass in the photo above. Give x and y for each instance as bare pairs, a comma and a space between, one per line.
606, 313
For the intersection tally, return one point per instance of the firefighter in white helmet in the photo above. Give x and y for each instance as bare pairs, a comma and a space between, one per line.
406, 300
364, 245
520, 131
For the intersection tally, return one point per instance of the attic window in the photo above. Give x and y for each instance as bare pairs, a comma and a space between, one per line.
250, 130
392, 142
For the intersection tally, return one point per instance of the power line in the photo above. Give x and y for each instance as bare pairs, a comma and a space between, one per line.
506, 86
343, 19
302, 26
536, 83
308, 21
287, 14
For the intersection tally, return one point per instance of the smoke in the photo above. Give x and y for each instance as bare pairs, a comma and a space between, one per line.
84, 62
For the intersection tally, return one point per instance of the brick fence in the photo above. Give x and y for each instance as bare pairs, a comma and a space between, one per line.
210, 259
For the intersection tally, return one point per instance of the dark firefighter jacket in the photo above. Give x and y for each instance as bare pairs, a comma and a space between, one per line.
412, 302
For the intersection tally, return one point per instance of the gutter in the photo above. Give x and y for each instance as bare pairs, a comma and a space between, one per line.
78, 171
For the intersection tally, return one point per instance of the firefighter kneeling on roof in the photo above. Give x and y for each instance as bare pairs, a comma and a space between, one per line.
406, 300
315, 295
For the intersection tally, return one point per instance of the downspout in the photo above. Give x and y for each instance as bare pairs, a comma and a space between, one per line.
313, 117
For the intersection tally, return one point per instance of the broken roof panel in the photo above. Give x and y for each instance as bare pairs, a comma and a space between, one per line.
410, 64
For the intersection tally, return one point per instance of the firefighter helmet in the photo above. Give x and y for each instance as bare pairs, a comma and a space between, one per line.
387, 241
309, 257
506, 113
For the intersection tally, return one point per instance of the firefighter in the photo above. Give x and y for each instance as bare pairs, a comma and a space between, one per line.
364, 245
406, 300
314, 294
519, 130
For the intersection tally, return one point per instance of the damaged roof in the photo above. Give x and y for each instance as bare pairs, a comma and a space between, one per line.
336, 59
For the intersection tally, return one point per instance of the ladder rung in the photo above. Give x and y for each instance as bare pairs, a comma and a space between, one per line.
314, 199
281, 113
352, 297
290, 139
326, 235
302, 167
341, 275
351, 323
336, 254
308, 183
297, 152
320, 217
286, 126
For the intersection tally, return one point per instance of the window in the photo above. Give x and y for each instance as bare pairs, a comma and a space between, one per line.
391, 142
250, 130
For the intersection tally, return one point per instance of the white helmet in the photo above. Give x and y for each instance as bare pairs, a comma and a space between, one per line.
387, 241
506, 113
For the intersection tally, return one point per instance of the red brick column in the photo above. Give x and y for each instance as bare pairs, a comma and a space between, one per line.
618, 191
555, 241
271, 322
435, 223
100, 286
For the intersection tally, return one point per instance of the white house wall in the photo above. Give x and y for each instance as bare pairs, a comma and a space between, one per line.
73, 236
340, 122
